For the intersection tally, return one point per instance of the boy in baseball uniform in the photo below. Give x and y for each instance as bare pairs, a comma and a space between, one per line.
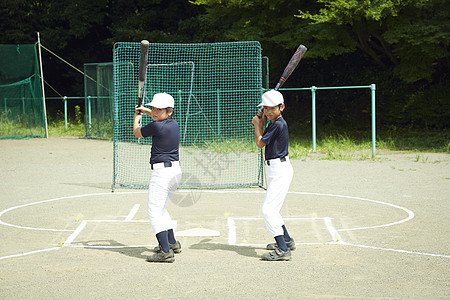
166, 171
279, 172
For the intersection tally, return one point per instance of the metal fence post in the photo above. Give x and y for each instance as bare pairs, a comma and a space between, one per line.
89, 112
65, 111
372, 88
313, 99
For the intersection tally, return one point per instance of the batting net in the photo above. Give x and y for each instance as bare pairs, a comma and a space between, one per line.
22, 112
216, 88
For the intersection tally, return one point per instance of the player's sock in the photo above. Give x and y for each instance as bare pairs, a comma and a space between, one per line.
172, 239
163, 241
286, 235
281, 243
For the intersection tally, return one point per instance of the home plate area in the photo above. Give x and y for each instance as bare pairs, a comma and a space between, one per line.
240, 232
114, 233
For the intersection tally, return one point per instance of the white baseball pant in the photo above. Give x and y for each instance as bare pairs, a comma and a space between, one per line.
279, 177
163, 183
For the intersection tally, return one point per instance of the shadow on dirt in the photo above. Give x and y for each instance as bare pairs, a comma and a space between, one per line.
244, 251
114, 246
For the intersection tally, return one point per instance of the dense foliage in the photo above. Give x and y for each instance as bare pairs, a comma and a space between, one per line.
400, 45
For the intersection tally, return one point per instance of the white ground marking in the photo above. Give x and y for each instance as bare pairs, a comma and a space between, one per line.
409, 212
31, 252
51, 200
75, 233
395, 250
333, 232
133, 212
188, 232
230, 222
232, 230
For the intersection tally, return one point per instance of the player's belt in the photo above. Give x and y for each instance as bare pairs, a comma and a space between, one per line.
166, 164
277, 160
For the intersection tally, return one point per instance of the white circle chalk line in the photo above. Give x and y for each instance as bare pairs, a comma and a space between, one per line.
409, 212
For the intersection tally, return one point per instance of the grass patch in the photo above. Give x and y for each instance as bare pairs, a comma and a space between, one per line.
331, 144
75, 126
434, 141
339, 147
57, 128
358, 146
19, 127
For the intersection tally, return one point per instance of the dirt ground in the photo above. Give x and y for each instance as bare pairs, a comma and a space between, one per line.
373, 229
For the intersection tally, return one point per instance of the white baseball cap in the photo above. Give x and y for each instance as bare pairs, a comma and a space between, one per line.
272, 98
162, 100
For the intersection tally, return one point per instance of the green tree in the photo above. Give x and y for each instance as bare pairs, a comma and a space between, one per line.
410, 35
84, 31
271, 22
154, 20
17, 21
267, 21
401, 45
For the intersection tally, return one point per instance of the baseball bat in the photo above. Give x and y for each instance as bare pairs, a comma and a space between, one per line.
143, 59
292, 64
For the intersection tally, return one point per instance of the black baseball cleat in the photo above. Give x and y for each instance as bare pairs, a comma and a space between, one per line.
162, 257
290, 245
277, 255
175, 247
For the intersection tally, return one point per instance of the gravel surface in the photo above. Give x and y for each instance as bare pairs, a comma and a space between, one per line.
364, 229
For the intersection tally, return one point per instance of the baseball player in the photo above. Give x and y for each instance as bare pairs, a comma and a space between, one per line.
166, 174
279, 172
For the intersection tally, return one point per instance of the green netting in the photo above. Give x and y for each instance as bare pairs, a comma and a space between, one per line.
21, 101
98, 93
216, 89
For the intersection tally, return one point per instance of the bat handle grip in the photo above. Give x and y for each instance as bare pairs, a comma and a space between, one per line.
262, 109
278, 86
139, 105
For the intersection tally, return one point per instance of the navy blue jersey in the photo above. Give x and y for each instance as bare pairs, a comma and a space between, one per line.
276, 138
165, 140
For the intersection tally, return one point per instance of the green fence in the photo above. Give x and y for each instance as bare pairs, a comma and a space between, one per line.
313, 90
22, 109
98, 95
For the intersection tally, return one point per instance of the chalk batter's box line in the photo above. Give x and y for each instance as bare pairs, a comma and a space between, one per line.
128, 219
230, 222
83, 224
327, 221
